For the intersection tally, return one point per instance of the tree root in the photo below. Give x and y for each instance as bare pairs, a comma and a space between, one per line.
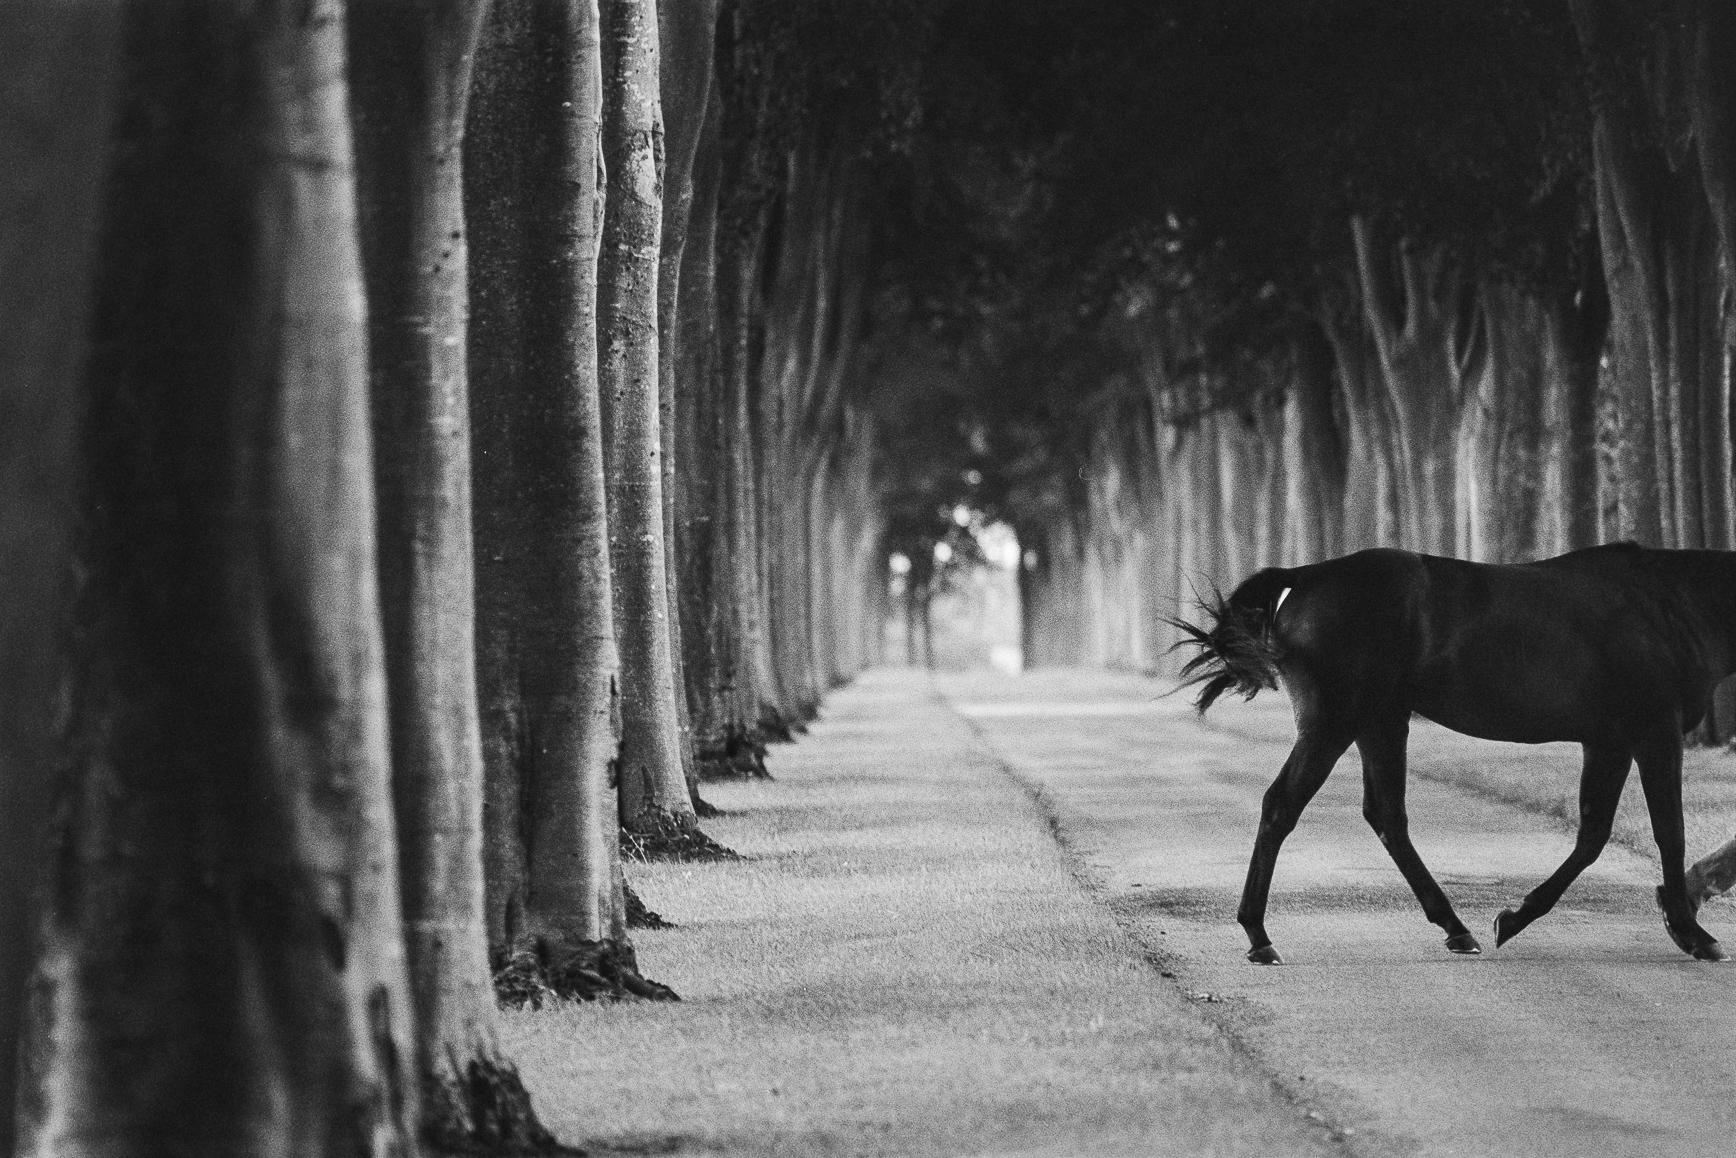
480, 1107
534, 973
775, 727
670, 842
643, 916
742, 757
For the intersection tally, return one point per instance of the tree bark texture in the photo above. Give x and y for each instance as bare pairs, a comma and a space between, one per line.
686, 34
750, 182
56, 102
702, 584
1314, 472
412, 63
1430, 353
655, 800
222, 966
547, 664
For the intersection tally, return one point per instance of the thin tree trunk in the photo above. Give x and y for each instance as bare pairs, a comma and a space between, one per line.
56, 103
656, 805
1412, 308
703, 585
748, 191
1577, 326
686, 33
411, 76
1369, 518
755, 691
225, 881
1315, 478
1629, 181
1712, 110
546, 660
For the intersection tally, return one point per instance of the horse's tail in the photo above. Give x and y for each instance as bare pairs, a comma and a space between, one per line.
1235, 648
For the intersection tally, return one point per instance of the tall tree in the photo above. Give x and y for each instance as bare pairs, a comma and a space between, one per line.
686, 35
656, 803
224, 880
547, 664
55, 104
410, 75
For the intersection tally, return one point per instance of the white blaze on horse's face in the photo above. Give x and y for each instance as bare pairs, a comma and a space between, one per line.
1282, 595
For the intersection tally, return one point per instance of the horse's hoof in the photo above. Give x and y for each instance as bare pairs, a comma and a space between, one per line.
1676, 934
1265, 955
1507, 926
1463, 943
1711, 951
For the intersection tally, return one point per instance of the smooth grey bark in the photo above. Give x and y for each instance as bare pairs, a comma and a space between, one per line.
654, 795
547, 665
687, 34
411, 65
1314, 453
224, 878
701, 585
1429, 360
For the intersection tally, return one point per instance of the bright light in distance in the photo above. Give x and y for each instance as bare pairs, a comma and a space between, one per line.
900, 563
999, 545
961, 515
942, 552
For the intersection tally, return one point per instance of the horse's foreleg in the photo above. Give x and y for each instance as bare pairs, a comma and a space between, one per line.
1383, 775
1661, 777
1310, 762
1600, 783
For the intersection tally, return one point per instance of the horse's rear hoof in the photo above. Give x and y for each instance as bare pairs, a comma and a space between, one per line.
1507, 926
1700, 950
1265, 955
1463, 943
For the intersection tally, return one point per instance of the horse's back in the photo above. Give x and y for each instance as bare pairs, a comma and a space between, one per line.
1565, 649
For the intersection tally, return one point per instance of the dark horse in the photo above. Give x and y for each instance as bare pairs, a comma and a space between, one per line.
1615, 647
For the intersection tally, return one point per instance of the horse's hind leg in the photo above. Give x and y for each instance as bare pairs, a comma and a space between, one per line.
1383, 773
1712, 874
1311, 760
1600, 783
1661, 777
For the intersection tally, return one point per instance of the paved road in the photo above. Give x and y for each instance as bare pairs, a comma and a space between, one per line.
1588, 1034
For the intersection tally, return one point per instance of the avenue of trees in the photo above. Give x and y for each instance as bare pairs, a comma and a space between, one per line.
1202, 288
437, 435
427, 453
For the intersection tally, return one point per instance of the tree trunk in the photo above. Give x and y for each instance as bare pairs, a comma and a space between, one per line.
1577, 325
225, 881
1430, 355
703, 584
1370, 518
656, 805
686, 33
56, 103
546, 658
739, 312
1630, 182
1314, 449
411, 77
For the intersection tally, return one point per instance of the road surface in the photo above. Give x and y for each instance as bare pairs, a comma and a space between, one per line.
1590, 1033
